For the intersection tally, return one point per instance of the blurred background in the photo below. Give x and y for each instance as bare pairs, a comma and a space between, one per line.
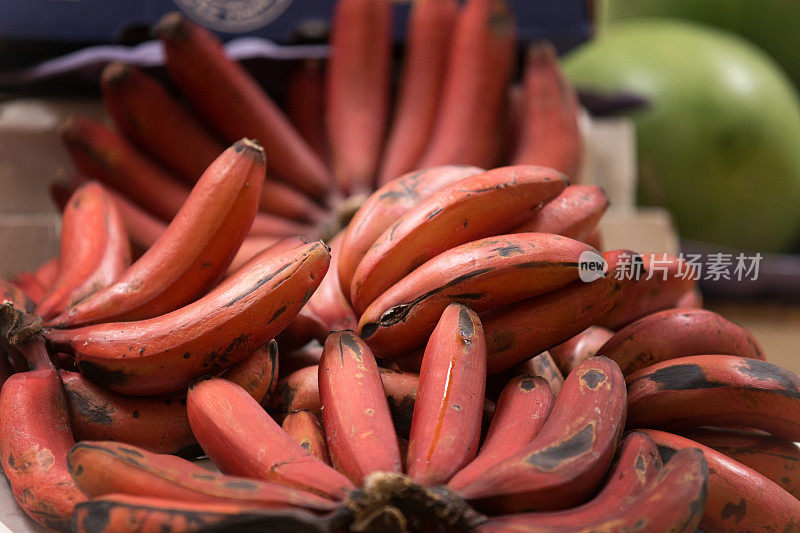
692, 117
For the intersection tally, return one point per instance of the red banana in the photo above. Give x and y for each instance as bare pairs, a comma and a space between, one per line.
478, 206
47, 273
516, 332
479, 68
718, 390
739, 498
669, 281
484, 274
582, 346
243, 440
231, 100
193, 253
574, 213
328, 303
446, 426
774, 458
281, 200
430, 27
101, 468
358, 425
358, 87
28, 284
569, 458
254, 245
149, 116
305, 104
550, 136
522, 409
143, 228
385, 206
94, 250
164, 354
676, 333
306, 430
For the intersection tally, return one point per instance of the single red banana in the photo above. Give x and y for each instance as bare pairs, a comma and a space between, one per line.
328, 303
28, 284
47, 272
446, 427
569, 458
484, 274
774, 458
281, 200
668, 280
636, 468
158, 424
143, 514
574, 213
104, 467
94, 250
674, 502
143, 229
429, 32
254, 245
35, 437
550, 136
305, 104
479, 67
231, 100
358, 79
676, 333
164, 354
385, 206
358, 425
192, 254
107, 157
306, 429
516, 332
271, 225
478, 206
716, 390
149, 116
242, 439
739, 498
581, 347
522, 409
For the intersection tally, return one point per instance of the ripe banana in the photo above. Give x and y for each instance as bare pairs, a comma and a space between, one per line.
446, 426
158, 424
484, 274
107, 157
100, 468
194, 251
582, 346
305, 104
637, 466
479, 68
121, 512
281, 200
479, 206
358, 90
739, 498
328, 303
47, 272
774, 458
569, 458
254, 245
27, 283
164, 354
522, 409
35, 437
385, 206
516, 332
544, 366
550, 136
358, 425
718, 390
676, 333
306, 430
429, 32
143, 229
94, 250
231, 100
574, 213
670, 282
145, 112
242, 439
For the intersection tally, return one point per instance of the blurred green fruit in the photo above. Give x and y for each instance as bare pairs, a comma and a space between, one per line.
720, 144
774, 25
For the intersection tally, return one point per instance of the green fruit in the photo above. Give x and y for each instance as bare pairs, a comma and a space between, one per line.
771, 24
720, 144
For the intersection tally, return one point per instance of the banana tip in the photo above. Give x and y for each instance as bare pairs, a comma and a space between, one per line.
171, 26
115, 73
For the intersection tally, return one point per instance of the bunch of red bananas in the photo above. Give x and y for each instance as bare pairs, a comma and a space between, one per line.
444, 366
